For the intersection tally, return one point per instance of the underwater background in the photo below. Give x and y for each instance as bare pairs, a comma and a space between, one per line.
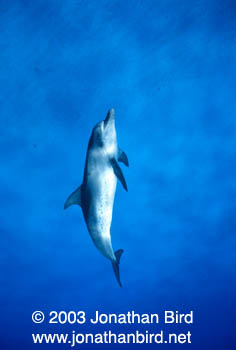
168, 69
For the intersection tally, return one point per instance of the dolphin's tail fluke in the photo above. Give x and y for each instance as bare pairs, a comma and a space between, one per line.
116, 264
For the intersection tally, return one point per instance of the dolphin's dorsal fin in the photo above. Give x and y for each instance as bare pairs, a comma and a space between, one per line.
74, 198
122, 157
118, 172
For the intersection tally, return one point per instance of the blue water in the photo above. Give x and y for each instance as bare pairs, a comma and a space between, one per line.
168, 69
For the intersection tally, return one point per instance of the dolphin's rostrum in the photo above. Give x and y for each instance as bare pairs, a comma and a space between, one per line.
97, 192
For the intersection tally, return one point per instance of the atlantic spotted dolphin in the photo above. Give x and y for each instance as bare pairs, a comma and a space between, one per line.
97, 192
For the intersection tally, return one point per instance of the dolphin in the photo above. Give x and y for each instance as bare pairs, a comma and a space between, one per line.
97, 192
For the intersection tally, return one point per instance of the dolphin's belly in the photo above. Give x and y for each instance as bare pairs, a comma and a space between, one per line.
105, 199
99, 193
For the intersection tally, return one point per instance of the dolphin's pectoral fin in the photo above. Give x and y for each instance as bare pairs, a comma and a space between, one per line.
118, 173
74, 198
116, 264
122, 157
